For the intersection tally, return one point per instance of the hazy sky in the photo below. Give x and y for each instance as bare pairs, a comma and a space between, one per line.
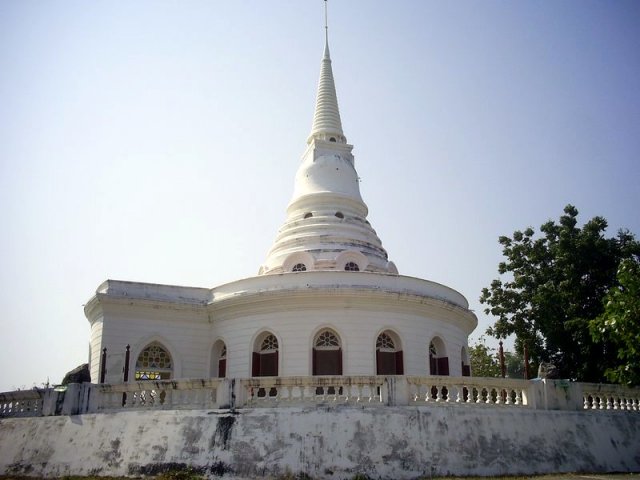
157, 141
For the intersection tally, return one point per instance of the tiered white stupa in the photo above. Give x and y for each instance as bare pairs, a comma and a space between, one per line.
327, 301
326, 226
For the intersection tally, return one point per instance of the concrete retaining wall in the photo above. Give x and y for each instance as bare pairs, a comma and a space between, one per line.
324, 442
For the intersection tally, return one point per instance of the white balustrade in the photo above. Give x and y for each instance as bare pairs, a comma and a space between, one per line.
276, 391
159, 395
321, 390
21, 403
610, 397
467, 390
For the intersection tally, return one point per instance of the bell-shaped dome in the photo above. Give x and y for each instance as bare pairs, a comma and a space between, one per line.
327, 172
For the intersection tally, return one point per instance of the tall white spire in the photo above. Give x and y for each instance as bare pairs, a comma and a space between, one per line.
326, 119
326, 226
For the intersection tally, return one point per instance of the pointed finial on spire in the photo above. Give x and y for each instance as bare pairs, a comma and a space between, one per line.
326, 31
326, 119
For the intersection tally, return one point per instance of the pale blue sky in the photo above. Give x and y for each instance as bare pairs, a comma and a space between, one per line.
157, 141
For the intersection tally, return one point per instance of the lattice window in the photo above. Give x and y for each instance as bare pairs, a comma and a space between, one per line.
352, 267
269, 344
154, 363
385, 343
432, 350
299, 267
327, 340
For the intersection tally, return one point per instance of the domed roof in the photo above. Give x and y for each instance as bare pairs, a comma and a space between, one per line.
327, 172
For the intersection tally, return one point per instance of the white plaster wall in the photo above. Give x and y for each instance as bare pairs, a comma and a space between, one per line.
186, 335
294, 307
324, 442
95, 342
357, 328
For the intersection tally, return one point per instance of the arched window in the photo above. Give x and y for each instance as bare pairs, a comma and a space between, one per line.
438, 360
388, 355
265, 356
219, 360
299, 267
327, 354
154, 363
351, 267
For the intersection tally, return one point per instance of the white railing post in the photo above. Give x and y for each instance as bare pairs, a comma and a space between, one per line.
396, 389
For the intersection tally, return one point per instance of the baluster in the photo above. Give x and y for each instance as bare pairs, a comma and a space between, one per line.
368, 393
417, 393
499, 399
348, 393
455, 392
306, 393
413, 393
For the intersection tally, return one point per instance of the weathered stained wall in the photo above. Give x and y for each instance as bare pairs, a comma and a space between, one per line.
325, 442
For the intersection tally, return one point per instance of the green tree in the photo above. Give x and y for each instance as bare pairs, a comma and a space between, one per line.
514, 365
484, 362
552, 287
619, 324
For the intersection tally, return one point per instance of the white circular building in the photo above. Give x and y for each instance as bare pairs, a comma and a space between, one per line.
326, 301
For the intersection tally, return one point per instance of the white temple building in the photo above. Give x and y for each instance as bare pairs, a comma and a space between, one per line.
326, 301
328, 364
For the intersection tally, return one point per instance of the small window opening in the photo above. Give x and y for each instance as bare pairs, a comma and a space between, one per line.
339, 215
327, 340
352, 267
299, 267
154, 363
332, 139
308, 215
269, 344
385, 343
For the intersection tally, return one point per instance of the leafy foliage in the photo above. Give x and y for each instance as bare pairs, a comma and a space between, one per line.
514, 364
483, 360
620, 323
553, 286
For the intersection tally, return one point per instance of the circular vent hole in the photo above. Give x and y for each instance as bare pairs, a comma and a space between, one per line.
339, 215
